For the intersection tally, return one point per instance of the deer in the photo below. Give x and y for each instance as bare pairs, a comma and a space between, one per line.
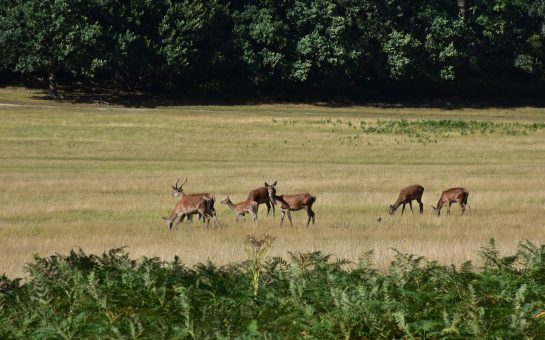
179, 192
188, 206
295, 202
407, 196
242, 208
261, 196
453, 195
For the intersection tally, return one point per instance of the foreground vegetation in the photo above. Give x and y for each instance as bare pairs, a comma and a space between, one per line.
308, 296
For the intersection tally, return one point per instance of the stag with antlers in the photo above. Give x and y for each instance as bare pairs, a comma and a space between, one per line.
189, 205
178, 191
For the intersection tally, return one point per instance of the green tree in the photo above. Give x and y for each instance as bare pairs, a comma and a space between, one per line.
49, 36
196, 39
131, 41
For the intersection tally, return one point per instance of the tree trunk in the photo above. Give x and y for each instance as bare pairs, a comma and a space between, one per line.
53, 92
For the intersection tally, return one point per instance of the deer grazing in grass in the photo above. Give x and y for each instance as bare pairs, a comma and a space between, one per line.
288, 203
261, 196
179, 192
453, 195
242, 208
408, 195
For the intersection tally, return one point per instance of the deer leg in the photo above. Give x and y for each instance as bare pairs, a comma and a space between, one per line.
310, 215
238, 216
215, 219
282, 214
411, 206
268, 204
463, 206
289, 217
421, 206
181, 219
255, 217
403, 209
448, 208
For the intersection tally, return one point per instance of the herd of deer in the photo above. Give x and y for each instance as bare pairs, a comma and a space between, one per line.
202, 204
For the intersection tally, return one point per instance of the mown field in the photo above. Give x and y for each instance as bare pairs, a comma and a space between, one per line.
99, 177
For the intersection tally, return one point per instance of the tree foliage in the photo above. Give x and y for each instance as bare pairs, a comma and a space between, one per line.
196, 42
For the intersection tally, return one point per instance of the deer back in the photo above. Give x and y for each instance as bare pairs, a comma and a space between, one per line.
260, 195
410, 193
298, 201
246, 206
189, 204
453, 194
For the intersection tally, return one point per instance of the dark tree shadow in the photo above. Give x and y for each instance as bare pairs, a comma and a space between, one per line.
388, 97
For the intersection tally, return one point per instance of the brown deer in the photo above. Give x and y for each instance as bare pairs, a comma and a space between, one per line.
242, 208
408, 195
261, 196
188, 206
179, 192
288, 203
453, 195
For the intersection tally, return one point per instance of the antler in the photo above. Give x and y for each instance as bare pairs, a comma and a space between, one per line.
176, 187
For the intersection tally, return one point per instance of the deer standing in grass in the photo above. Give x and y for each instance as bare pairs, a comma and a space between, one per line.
188, 206
408, 195
261, 196
179, 192
453, 195
288, 203
242, 208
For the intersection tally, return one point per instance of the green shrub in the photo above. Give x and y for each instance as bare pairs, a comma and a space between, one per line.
309, 295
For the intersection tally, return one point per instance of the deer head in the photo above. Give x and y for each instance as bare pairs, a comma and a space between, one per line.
271, 189
226, 201
438, 209
178, 190
391, 210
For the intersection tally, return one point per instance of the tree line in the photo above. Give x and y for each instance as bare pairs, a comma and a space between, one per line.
225, 43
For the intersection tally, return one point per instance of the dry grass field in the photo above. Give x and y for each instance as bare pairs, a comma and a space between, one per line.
99, 177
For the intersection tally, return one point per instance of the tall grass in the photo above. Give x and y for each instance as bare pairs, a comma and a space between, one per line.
98, 177
306, 295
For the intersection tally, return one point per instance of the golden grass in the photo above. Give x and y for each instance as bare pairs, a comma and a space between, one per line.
99, 177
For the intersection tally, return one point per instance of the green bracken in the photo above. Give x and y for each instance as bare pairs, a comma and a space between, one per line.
309, 295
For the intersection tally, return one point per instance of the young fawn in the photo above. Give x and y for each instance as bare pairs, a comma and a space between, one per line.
453, 195
242, 208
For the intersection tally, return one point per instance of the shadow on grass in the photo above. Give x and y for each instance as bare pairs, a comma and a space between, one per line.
344, 97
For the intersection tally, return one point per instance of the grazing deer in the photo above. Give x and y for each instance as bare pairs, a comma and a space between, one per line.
261, 196
179, 192
288, 203
408, 195
242, 208
453, 195
188, 206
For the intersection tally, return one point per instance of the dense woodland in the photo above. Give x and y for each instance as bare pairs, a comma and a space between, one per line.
216, 45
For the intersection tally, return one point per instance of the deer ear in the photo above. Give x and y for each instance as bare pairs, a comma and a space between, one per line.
433, 207
274, 183
266, 184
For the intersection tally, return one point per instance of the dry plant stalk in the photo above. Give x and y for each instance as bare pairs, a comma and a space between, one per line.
256, 248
